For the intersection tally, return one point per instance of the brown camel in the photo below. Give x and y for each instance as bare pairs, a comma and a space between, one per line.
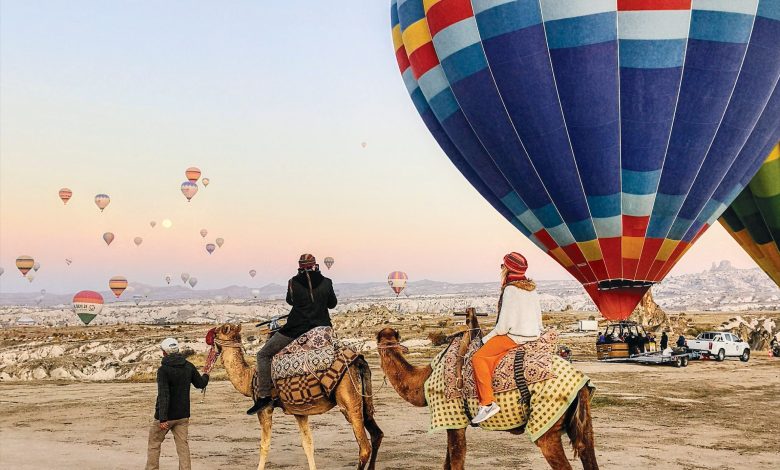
352, 395
409, 382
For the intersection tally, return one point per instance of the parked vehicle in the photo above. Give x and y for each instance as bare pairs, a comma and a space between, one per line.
720, 345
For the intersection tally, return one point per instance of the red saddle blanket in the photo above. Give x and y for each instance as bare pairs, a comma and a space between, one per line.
536, 366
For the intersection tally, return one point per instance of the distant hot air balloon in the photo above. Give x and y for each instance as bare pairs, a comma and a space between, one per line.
153, 223
219, 242
65, 195
102, 201
585, 124
168, 278
43, 291
137, 299
364, 144
189, 189
397, 281
329, 261
193, 281
68, 261
753, 219
210, 247
192, 173
36, 266
185, 277
24, 264
30, 277
252, 273
203, 232
108, 237
255, 293
138, 241
205, 182
87, 304
117, 284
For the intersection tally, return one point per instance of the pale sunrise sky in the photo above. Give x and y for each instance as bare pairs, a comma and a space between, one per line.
271, 100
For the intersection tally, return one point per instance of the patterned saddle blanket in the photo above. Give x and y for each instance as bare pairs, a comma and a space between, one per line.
310, 367
526, 364
549, 400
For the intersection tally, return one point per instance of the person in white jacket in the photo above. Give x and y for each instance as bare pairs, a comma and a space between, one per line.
519, 321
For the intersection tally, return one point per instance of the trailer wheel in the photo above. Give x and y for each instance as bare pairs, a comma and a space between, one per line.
721, 355
685, 361
745, 355
678, 361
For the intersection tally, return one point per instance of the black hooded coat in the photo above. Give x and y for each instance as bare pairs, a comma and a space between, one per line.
310, 303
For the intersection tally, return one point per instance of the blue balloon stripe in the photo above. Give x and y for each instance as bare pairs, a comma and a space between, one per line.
508, 17
769, 9
721, 26
658, 54
581, 30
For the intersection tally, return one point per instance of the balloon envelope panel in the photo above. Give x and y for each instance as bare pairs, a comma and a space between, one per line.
753, 219
611, 134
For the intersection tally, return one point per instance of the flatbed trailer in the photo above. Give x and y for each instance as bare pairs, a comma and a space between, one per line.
656, 358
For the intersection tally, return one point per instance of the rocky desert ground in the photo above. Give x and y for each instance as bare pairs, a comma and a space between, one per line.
82, 397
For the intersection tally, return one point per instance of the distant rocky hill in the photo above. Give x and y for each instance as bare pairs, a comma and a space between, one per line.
721, 288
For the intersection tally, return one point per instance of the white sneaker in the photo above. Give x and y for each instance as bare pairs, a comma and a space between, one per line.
486, 412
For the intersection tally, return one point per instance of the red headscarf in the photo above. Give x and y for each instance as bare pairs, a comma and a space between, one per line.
516, 264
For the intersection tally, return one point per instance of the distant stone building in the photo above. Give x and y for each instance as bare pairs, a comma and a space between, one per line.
25, 321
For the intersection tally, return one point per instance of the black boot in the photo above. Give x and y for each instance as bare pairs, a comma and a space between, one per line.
260, 403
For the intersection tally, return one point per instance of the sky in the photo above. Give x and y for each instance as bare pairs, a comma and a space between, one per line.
272, 101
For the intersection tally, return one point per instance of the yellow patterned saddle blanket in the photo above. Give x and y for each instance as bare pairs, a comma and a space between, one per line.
549, 400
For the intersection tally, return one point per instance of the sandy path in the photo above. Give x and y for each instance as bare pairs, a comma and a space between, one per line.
710, 415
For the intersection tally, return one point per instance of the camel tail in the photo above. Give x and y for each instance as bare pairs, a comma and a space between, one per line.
579, 425
365, 379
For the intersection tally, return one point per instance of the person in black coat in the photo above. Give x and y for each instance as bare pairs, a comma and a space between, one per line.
311, 295
172, 409
664, 341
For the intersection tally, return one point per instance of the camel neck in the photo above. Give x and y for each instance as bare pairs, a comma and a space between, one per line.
406, 379
238, 371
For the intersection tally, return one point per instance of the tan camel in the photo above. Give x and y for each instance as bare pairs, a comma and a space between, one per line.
409, 382
352, 395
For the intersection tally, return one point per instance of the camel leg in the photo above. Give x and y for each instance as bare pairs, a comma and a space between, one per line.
376, 439
582, 438
266, 422
456, 449
350, 401
306, 440
552, 448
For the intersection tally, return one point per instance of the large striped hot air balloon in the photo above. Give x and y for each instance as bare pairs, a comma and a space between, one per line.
117, 284
189, 189
87, 304
611, 133
753, 219
65, 195
24, 264
102, 201
192, 173
397, 281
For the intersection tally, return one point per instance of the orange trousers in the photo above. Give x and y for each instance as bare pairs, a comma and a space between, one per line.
485, 361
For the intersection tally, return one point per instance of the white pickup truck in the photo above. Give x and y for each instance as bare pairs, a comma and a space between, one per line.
720, 345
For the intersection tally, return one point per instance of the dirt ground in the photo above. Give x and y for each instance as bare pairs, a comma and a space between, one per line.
709, 415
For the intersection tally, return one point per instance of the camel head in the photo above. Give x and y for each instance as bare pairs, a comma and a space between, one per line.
227, 333
388, 338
